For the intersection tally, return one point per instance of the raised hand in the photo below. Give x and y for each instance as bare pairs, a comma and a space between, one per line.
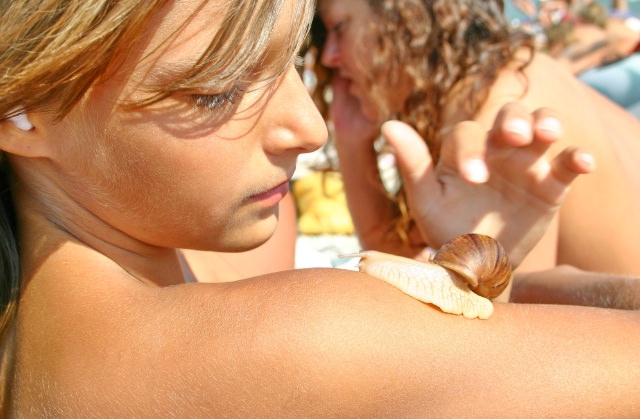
502, 183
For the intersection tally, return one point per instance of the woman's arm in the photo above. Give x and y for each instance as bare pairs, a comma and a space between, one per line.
371, 209
322, 343
481, 184
569, 285
592, 123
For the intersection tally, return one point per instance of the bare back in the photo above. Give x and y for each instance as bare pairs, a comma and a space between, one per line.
598, 228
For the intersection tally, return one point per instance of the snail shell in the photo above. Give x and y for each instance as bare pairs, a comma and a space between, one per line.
446, 281
480, 260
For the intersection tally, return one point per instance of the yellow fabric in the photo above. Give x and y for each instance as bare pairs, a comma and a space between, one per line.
322, 205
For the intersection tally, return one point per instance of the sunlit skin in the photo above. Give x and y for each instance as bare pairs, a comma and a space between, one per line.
155, 171
110, 203
275, 255
344, 21
106, 327
589, 122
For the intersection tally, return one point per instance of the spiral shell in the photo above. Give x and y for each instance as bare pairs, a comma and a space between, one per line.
479, 260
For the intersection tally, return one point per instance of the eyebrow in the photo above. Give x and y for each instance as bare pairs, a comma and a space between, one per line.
166, 75
169, 72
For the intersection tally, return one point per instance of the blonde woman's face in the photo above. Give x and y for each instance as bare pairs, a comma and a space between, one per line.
176, 174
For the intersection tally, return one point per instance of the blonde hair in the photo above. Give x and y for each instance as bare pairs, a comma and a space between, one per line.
53, 51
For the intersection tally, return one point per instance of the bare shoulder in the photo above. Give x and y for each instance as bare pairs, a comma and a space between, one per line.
532, 80
590, 120
307, 342
97, 340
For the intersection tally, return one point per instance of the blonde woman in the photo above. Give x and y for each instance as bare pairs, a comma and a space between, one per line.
131, 129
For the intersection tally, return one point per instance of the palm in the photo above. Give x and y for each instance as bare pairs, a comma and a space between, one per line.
515, 205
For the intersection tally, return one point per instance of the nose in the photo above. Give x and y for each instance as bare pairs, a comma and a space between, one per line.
331, 51
296, 124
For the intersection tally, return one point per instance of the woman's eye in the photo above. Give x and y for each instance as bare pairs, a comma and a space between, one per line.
339, 27
216, 101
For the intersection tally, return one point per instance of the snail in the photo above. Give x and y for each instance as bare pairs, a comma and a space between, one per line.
461, 278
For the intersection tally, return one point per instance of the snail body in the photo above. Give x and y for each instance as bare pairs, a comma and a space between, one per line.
460, 278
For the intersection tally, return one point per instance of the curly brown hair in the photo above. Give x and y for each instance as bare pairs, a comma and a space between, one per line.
438, 44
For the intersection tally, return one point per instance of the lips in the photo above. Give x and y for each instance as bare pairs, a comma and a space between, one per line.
273, 195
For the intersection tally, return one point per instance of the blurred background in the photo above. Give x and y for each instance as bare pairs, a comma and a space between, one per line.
516, 16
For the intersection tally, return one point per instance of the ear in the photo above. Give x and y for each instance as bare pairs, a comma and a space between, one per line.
19, 135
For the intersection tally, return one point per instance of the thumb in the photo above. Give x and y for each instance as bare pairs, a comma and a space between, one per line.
413, 158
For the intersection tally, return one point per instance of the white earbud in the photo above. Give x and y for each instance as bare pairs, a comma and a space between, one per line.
21, 122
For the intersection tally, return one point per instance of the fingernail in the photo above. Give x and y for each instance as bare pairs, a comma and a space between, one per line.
587, 159
551, 125
519, 126
476, 171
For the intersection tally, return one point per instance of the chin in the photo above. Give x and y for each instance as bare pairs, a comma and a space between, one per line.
251, 238
371, 114
370, 110
254, 244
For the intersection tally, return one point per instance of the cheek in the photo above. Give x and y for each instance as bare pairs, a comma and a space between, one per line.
185, 175
156, 175
165, 191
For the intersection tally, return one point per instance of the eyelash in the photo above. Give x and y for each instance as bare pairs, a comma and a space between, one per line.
213, 102
216, 101
339, 27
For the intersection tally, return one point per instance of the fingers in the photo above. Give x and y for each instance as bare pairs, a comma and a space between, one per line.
572, 163
547, 127
338, 83
556, 180
412, 154
349, 123
513, 126
525, 138
516, 126
463, 149
342, 102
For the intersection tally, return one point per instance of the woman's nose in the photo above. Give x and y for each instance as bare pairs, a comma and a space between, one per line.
330, 52
301, 128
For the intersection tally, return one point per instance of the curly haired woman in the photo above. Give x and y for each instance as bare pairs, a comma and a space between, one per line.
434, 63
